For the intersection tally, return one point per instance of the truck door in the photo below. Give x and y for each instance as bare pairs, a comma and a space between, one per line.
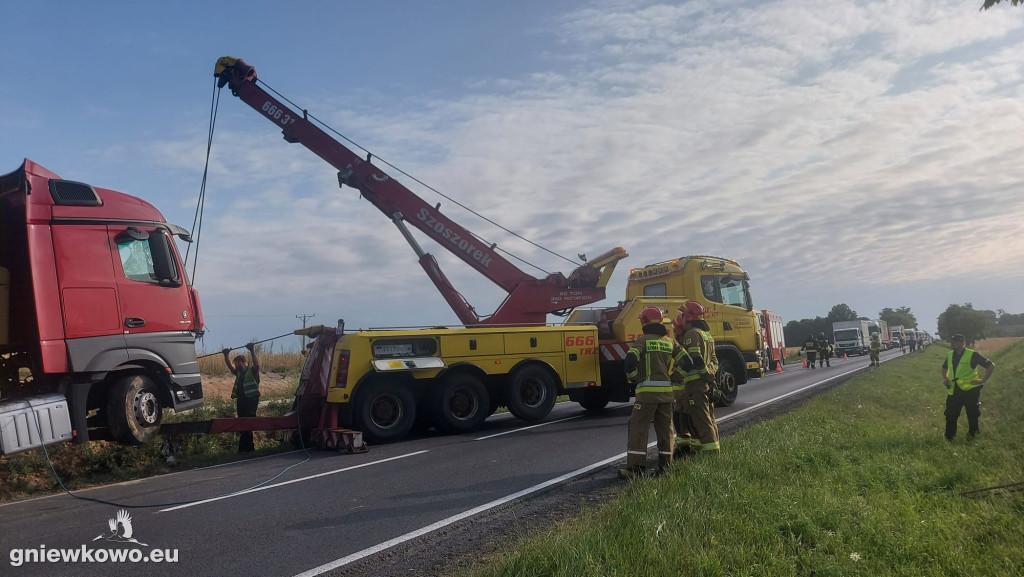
153, 294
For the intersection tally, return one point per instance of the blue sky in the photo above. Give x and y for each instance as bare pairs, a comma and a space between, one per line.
857, 152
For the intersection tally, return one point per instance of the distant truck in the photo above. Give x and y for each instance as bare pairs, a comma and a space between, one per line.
899, 340
851, 337
98, 321
881, 328
774, 339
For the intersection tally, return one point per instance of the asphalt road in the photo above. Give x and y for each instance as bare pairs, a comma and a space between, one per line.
335, 510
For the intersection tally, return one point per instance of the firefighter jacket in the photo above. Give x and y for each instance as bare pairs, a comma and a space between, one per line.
876, 345
700, 346
810, 346
650, 364
824, 347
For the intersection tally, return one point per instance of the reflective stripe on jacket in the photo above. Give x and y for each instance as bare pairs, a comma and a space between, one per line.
965, 373
656, 359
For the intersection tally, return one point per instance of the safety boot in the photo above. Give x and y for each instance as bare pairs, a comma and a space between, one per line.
630, 473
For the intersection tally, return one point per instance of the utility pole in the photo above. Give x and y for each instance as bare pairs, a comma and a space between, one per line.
303, 317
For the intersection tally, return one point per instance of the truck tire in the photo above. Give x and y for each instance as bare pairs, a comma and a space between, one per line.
594, 400
530, 393
384, 411
727, 380
460, 404
134, 410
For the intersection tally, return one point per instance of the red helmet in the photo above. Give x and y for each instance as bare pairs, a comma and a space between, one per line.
677, 325
692, 311
651, 315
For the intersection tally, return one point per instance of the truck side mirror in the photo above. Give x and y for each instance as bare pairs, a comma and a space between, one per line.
163, 261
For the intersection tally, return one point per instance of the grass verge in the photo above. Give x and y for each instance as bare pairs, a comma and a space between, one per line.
857, 482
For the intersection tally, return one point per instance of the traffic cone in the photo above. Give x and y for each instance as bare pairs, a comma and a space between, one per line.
846, 356
778, 366
805, 363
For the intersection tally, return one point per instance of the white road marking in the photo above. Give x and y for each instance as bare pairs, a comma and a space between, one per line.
283, 483
519, 494
453, 519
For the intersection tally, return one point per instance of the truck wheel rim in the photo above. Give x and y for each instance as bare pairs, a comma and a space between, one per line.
463, 405
386, 411
533, 393
146, 407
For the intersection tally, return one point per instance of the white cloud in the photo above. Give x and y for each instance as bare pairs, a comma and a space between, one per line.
857, 145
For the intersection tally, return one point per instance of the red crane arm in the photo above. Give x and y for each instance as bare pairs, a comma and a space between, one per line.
530, 299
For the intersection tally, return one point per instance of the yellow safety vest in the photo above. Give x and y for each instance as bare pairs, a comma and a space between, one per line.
965, 374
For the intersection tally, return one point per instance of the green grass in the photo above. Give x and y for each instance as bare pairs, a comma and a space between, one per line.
858, 482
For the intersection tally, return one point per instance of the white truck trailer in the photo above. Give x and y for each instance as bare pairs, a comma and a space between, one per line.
851, 337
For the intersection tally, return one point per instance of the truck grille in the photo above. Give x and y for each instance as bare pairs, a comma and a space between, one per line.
70, 193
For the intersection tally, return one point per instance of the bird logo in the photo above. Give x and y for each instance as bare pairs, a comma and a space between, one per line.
120, 529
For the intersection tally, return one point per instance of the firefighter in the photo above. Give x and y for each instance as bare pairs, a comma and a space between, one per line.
875, 349
824, 350
963, 385
700, 388
649, 364
687, 440
246, 391
811, 349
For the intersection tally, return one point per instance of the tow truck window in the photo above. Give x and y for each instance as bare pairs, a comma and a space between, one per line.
656, 290
726, 289
137, 260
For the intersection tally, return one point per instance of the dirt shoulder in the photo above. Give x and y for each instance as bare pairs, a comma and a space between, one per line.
463, 545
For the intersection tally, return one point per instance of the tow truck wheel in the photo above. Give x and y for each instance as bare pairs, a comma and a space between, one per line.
594, 400
385, 411
727, 383
460, 404
134, 410
530, 393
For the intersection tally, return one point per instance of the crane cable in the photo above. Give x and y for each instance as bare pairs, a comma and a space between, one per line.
197, 220
438, 192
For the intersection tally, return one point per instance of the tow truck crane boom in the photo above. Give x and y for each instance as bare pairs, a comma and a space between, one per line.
529, 299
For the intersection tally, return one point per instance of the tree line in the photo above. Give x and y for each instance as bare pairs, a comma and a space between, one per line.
964, 319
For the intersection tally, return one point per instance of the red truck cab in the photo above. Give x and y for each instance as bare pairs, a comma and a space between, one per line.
99, 308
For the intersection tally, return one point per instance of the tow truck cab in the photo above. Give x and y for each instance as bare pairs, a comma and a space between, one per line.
95, 310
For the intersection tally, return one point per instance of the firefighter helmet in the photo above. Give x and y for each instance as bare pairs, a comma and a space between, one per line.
651, 315
677, 324
692, 311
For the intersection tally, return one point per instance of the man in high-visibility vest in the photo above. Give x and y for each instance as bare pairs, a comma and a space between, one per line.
700, 388
246, 391
963, 385
649, 364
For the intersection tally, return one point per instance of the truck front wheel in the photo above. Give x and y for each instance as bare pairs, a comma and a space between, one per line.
384, 411
461, 404
134, 410
727, 383
530, 393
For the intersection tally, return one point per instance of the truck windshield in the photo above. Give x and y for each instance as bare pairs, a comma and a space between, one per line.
846, 335
725, 289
